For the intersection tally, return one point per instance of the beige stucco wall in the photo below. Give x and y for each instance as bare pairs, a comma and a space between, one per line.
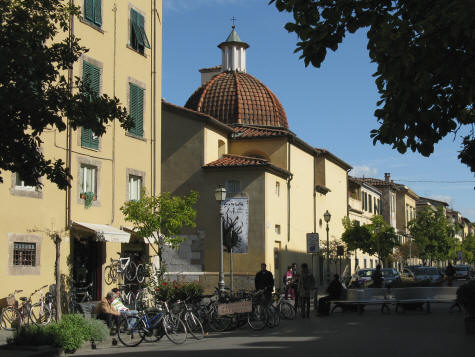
211, 144
114, 160
274, 149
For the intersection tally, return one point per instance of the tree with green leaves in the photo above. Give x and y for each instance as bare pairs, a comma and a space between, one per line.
36, 93
406, 251
433, 233
424, 51
383, 238
468, 249
356, 236
160, 219
377, 238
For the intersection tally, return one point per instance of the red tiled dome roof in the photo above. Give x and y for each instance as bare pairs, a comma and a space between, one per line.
239, 98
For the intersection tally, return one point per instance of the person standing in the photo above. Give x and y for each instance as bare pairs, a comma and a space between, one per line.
288, 277
294, 285
450, 273
377, 277
305, 285
264, 280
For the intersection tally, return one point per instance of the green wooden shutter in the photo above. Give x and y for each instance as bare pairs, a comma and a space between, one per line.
141, 28
136, 109
92, 75
89, 10
133, 25
98, 12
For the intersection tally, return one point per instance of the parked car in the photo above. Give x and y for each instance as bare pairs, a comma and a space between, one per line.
427, 273
390, 275
407, 273
463, 272
365, 276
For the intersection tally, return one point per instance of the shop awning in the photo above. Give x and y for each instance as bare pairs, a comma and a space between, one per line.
104, 232
146, 240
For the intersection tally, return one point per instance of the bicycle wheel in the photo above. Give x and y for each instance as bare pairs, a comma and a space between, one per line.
109, 275
175, 329
40, 314
155, 332
10, 318
287, 310
257, 317
273, 316
134, 335
141, 273
219, 323
194, 326
131, 271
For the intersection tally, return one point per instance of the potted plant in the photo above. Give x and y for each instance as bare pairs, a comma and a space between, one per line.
466, 298
88, 197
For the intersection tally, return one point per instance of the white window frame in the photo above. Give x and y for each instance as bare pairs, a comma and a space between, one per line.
135, 180
84, 174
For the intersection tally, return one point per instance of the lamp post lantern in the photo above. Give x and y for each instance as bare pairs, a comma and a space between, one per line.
220, 196
327, 216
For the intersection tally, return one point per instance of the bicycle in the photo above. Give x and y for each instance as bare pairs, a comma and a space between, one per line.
41, 312
192, 322
14, 316
286, 309
124, 266
151, 326
85, 294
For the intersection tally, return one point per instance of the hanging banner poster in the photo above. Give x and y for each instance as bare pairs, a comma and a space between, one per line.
235, 212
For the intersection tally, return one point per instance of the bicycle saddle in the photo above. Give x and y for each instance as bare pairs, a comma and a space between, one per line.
23, 298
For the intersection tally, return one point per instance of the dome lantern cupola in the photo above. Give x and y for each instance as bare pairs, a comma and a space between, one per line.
234, 53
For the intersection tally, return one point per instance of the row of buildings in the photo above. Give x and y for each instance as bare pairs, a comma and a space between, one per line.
232, 132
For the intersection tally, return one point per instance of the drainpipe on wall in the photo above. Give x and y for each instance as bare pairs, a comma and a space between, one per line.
114, 9
153, 5
69, 133
288, 190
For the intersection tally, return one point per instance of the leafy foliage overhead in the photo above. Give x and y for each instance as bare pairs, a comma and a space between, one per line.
35, 95
425, 52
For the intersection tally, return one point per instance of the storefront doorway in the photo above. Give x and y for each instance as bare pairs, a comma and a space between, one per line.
88, 257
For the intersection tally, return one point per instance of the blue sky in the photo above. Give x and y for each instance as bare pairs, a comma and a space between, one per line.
329, 107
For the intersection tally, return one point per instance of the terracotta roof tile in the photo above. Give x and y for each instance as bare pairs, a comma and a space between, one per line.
233, 161
239, 98
246, 132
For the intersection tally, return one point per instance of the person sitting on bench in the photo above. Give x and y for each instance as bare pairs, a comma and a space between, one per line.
335, 288
105, 310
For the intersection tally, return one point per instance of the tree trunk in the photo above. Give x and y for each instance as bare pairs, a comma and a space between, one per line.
58, 277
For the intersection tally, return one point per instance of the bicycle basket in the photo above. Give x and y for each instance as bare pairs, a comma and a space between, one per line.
7, 301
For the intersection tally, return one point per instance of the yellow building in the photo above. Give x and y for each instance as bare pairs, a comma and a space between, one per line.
234, 132
124, 60
365, 201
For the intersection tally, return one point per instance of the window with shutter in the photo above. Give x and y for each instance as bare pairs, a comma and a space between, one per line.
138, 38
136, 109
91, 76
93, 11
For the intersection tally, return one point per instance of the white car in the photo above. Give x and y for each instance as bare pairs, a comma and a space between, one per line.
463, 272
427, 273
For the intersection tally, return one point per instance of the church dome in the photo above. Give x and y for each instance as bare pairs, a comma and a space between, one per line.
235, 97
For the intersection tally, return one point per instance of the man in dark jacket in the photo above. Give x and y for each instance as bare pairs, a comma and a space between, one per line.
265, 280
335, 289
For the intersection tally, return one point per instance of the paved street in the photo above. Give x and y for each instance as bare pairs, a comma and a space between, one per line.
370, 334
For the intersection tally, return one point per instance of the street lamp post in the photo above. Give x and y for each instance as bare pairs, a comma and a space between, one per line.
220, 196
327, 216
